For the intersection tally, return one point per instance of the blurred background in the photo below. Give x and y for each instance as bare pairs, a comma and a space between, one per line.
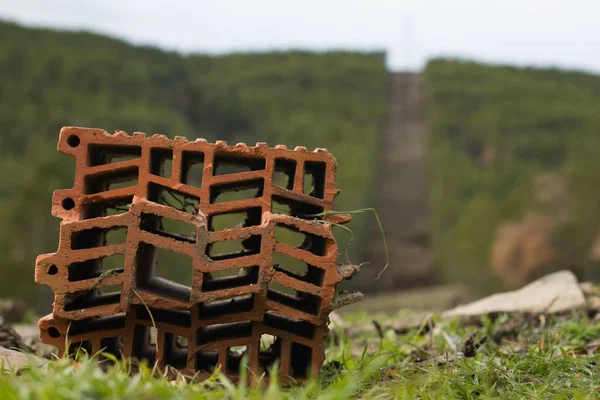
473, 128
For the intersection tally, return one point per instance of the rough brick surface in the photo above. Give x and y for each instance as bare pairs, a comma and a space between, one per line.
166, 195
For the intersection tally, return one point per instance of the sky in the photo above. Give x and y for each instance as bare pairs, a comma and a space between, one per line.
542, 33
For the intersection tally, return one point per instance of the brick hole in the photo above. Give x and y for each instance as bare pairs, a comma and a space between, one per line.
282, 205
230, 278
170, 228
221, 332
68, 203
296, 299
235, 219
153, 336
192, 168
298, 269
91, 269
284, 290
300, 360
164, 272
230, 305
224, 164
52, 270
111, 345
279, 207
111, 180
227, 249
93, 298
284, 173
173, 198
115, 236
288, 235
107, 207
292, 236
314, 178
53, 332
181, 341
234, 358
265, 342
269, 351
97, 324
172, 317
107, 154
144, 344
175, 351
79, 349
289, 324
234, 191
161, 162
112, 290
206, 361
73, 141
98, 237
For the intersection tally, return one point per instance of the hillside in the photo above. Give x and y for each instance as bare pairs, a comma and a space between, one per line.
513, 160
512, 153
50, 79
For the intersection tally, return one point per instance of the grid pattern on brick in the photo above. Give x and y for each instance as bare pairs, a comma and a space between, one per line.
136, 196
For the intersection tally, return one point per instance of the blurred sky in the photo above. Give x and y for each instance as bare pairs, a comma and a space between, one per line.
524, 32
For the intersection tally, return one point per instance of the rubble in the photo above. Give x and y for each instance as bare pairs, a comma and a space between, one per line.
15, 361
11, 339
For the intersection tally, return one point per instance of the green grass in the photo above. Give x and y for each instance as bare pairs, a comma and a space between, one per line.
518, 357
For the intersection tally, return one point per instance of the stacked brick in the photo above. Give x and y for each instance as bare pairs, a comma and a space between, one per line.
136, 197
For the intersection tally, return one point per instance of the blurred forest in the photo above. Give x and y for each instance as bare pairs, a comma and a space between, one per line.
513, 153
49, 79
514, 156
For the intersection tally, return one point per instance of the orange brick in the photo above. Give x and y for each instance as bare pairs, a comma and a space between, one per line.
138, 185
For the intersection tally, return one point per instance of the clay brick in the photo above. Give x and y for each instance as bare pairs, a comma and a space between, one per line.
136, 196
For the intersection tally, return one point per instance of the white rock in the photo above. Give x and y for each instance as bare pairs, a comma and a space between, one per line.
13, 360
553, 293
336, 321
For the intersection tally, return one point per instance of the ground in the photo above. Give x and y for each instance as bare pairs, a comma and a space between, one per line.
502, 356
